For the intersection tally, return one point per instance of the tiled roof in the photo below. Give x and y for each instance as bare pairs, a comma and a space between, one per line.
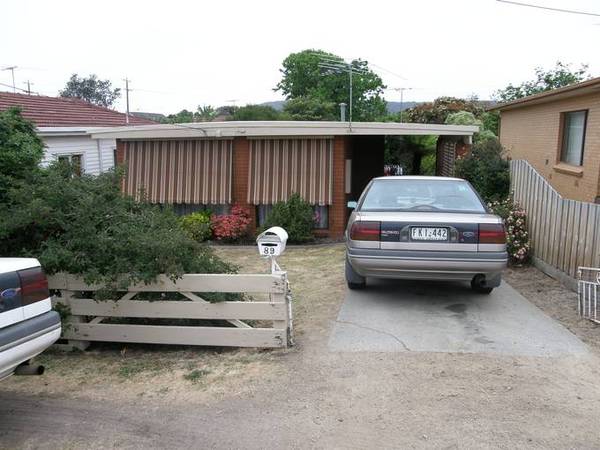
66, 112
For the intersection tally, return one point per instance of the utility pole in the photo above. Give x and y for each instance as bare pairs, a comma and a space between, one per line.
401, 90
28, 83
336, 65
12, 69
127, 99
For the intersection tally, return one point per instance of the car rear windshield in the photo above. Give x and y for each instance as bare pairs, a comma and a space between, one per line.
422, 195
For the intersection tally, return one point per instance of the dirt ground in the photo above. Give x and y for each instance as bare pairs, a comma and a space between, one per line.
308, 396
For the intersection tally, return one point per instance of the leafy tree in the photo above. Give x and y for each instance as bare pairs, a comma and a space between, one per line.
91, 89
256, 112
183, 116
491, 122
205, 113
21, 150
545, 80
486, 169
438, 110
302, 77
463, 118
408, 151
310, 108
85, 225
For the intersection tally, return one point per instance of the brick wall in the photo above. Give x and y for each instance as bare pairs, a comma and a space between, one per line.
532, 133
241, 165
338, 210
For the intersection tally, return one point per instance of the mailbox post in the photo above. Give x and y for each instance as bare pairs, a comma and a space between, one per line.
271, 243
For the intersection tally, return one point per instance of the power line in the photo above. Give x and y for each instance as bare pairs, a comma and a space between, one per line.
18, 89
548, 8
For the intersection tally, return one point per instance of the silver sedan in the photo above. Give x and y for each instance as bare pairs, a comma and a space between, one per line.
430, 228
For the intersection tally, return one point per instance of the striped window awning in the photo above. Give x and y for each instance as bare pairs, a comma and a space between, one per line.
281, 167
179, 171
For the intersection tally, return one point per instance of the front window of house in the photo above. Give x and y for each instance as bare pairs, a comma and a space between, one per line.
320, 215
573, 138
75, 160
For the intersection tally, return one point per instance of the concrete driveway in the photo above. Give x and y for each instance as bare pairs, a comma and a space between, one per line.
396, 316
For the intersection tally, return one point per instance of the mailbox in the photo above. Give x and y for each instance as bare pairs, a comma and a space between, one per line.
272, 242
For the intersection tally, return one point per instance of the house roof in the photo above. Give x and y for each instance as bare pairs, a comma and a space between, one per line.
279, 128
591, 86
65, 112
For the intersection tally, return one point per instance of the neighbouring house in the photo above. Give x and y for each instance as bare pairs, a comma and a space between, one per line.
256, 164
64, 123
558, 133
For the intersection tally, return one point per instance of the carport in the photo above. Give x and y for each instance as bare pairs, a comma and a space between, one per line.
256, 164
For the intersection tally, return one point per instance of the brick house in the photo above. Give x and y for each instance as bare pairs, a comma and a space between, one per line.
558, 133
256, 164
63, 125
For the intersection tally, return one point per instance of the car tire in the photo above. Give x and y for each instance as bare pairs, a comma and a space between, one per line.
354, 280
481, 289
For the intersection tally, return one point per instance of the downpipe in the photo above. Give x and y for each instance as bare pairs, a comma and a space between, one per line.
27, 369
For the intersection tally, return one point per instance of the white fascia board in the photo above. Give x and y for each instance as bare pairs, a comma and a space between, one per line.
63, 131
282, 128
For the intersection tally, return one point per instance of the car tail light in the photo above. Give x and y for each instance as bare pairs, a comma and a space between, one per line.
492, 233
365, 231
34, 285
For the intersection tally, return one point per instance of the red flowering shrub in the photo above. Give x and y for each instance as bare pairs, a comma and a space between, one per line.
231, 227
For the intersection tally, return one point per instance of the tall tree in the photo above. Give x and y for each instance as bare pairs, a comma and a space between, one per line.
256, 112
91, 89
303, 77
545, 80
439, 110
21, 149
206, 113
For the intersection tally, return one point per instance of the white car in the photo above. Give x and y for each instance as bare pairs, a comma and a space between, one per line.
28, 325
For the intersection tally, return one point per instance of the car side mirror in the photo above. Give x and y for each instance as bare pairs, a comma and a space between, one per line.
352, 205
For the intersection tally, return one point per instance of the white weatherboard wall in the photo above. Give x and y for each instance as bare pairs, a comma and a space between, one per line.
95, 160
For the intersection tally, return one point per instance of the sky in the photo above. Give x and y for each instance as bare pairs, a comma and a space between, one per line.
181, 54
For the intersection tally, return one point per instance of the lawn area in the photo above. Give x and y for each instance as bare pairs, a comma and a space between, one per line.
107, 371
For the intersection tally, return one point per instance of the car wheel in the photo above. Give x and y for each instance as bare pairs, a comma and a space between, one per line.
477, 287
354, 280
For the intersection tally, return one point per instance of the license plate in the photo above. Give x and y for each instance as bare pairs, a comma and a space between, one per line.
428, 234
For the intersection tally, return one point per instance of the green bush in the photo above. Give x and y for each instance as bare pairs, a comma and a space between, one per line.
515, 221
197, 225
486, 169
294, 215
21, 149
85, 225
428, 164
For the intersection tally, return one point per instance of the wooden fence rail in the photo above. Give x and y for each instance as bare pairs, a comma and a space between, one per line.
564, 233
87, 321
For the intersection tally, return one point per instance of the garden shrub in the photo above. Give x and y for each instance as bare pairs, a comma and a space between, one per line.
85, 225
231, 227
21, 149
197, 225
486, 169
295, 216
515, 222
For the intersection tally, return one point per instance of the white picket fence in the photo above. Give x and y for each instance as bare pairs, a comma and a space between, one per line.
564, 233
87, 321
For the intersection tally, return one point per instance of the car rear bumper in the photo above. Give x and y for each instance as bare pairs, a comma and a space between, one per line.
431, 265
24, 340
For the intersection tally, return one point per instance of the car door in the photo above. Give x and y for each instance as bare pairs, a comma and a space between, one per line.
11, 308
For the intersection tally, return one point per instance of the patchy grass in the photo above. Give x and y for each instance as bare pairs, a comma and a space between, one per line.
196, 375
108, 371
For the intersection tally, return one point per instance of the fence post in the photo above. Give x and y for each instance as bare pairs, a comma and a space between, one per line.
284, 297
71, 322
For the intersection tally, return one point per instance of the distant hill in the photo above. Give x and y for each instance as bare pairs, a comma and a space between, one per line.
392, 107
